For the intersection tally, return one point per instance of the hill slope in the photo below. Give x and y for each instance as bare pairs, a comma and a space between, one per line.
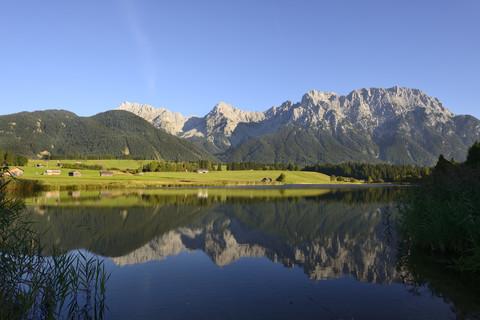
113, 132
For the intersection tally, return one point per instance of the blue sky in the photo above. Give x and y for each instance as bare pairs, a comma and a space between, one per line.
90, 56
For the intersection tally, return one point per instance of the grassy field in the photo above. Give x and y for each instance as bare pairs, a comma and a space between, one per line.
92, 178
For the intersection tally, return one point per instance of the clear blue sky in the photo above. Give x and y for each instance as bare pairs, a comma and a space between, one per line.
90, 56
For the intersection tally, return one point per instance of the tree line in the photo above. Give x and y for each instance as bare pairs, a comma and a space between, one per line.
250, 165
8, 158
163, 166
372, 172
93, 157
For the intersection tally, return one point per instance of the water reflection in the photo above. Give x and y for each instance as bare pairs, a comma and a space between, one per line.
328, 233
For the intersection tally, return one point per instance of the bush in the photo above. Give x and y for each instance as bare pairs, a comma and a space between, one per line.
281, 177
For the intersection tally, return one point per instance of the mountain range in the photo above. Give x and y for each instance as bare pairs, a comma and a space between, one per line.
396, 125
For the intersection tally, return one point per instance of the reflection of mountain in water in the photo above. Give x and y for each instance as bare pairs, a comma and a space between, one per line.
326, 238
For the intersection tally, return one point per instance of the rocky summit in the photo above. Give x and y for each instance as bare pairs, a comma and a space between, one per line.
397, 125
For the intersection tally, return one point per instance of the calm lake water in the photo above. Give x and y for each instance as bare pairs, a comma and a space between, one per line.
253, 253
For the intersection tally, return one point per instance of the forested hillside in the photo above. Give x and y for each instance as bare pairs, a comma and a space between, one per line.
112, 132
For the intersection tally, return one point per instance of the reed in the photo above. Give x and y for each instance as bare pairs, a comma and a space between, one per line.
442, 215
34, 285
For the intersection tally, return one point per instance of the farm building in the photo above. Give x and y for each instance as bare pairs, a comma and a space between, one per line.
52, 172
15, 172
201, 171
267, 180
39, 165
106, 173
75, 173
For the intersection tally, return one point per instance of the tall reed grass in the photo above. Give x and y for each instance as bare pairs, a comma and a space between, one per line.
442, 215
34, 285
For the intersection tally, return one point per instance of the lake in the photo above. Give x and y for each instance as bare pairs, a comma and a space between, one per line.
257, 253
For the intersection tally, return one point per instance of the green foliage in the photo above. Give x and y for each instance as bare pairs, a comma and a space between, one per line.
83, 166
281, 177
296, 144
34, 286
442, 163
380, 171
250, 165
473, 155
114, 133
9, 158
21, 160
442, 214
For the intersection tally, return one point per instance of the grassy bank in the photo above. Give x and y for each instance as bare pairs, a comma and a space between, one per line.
91, 179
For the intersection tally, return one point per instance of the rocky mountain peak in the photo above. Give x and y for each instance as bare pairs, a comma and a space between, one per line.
224, 108
369, 120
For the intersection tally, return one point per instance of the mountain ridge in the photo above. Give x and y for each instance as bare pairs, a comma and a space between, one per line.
395, 125
113, 132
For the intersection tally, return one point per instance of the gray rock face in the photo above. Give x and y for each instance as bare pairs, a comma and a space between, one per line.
394, 125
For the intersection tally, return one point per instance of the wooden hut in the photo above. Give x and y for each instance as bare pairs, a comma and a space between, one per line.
75, 173
14, 172
52, 173
106, 173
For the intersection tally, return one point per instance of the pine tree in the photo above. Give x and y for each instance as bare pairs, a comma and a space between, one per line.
9, 158
473, 155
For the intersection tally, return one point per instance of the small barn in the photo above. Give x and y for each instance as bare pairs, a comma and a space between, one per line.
14, 172
75, 173
267, 180
52, 173
201, 171
105, 173
39, 165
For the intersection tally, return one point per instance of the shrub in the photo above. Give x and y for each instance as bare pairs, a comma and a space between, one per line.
281, 177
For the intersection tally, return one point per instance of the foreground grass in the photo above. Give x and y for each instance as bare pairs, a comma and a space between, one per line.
36, 286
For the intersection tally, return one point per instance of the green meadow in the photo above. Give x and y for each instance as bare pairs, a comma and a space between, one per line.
91, 179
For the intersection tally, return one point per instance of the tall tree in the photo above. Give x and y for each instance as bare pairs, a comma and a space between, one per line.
473, 155
9, 158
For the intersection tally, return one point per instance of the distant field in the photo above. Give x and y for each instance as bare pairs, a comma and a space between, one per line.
92, 178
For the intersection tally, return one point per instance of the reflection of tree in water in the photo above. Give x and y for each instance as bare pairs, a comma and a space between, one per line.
119, 230
424, 274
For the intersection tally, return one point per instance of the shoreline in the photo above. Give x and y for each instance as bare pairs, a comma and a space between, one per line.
28, 185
